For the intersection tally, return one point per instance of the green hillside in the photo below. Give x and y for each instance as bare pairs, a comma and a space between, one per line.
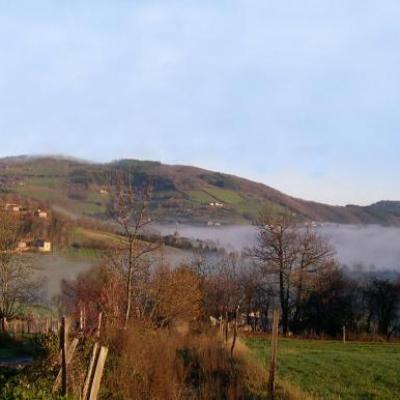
179, 193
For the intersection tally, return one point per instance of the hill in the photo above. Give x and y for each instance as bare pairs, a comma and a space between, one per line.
180, 193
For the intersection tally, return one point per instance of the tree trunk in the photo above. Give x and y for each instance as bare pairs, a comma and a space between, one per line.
284, 306
129, 286
235, 329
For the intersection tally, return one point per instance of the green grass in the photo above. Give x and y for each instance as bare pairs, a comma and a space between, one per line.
49, 182
330, 370
82, 253
37, 310
36, 192
87, 207
200, 196
251, 207
225, 195
83, 234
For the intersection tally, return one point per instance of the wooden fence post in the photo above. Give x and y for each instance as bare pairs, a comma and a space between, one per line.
89, 374
235, 328
70, 354
81, 321
274, 353
226, 326
63, 348
344, 334
99, 323
98, 374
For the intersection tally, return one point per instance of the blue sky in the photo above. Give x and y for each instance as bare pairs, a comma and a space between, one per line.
301, 95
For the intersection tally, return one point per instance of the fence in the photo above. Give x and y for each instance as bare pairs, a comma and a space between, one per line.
32, 326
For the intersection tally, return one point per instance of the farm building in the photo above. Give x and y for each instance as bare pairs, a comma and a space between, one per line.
43, 245
23, 245
13, 207
216, 204
41, 213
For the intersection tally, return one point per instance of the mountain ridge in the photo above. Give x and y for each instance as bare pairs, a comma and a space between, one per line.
182, 193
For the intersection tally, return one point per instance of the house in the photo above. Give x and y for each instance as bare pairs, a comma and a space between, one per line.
216, 204
41, 213
23, 245
43, 245
13, 207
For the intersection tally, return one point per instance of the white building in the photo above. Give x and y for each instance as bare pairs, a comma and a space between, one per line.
41, 213
43, 245
22, 245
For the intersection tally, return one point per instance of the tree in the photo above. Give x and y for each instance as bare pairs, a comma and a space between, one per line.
175, 296
315, 260
129, 208
330, 305
17, 284
383, 304
220, 282
100, 289
291, 255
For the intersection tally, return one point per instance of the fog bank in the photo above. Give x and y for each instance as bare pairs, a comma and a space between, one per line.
355, 244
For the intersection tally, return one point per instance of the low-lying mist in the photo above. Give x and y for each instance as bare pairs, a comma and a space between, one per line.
369, 245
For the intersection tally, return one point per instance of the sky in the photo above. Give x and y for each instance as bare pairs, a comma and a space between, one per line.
300, 95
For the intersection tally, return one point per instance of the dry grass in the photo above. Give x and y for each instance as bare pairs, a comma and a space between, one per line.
163, 365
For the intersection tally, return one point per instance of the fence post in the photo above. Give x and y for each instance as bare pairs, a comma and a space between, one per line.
99, 323
98, 373
81, 321
63, 348
71, 351
226, 326
274, 353
89, 375
235, 328
344, 334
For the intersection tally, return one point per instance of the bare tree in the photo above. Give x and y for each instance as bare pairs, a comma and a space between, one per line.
315, 256
220, 282
129, 209
290, 254
17, 284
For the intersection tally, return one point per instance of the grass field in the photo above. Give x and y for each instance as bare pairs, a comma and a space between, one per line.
83, 234
200, 196
224, 195
331, 370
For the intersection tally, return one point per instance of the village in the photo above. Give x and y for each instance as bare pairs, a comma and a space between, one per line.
35, 244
